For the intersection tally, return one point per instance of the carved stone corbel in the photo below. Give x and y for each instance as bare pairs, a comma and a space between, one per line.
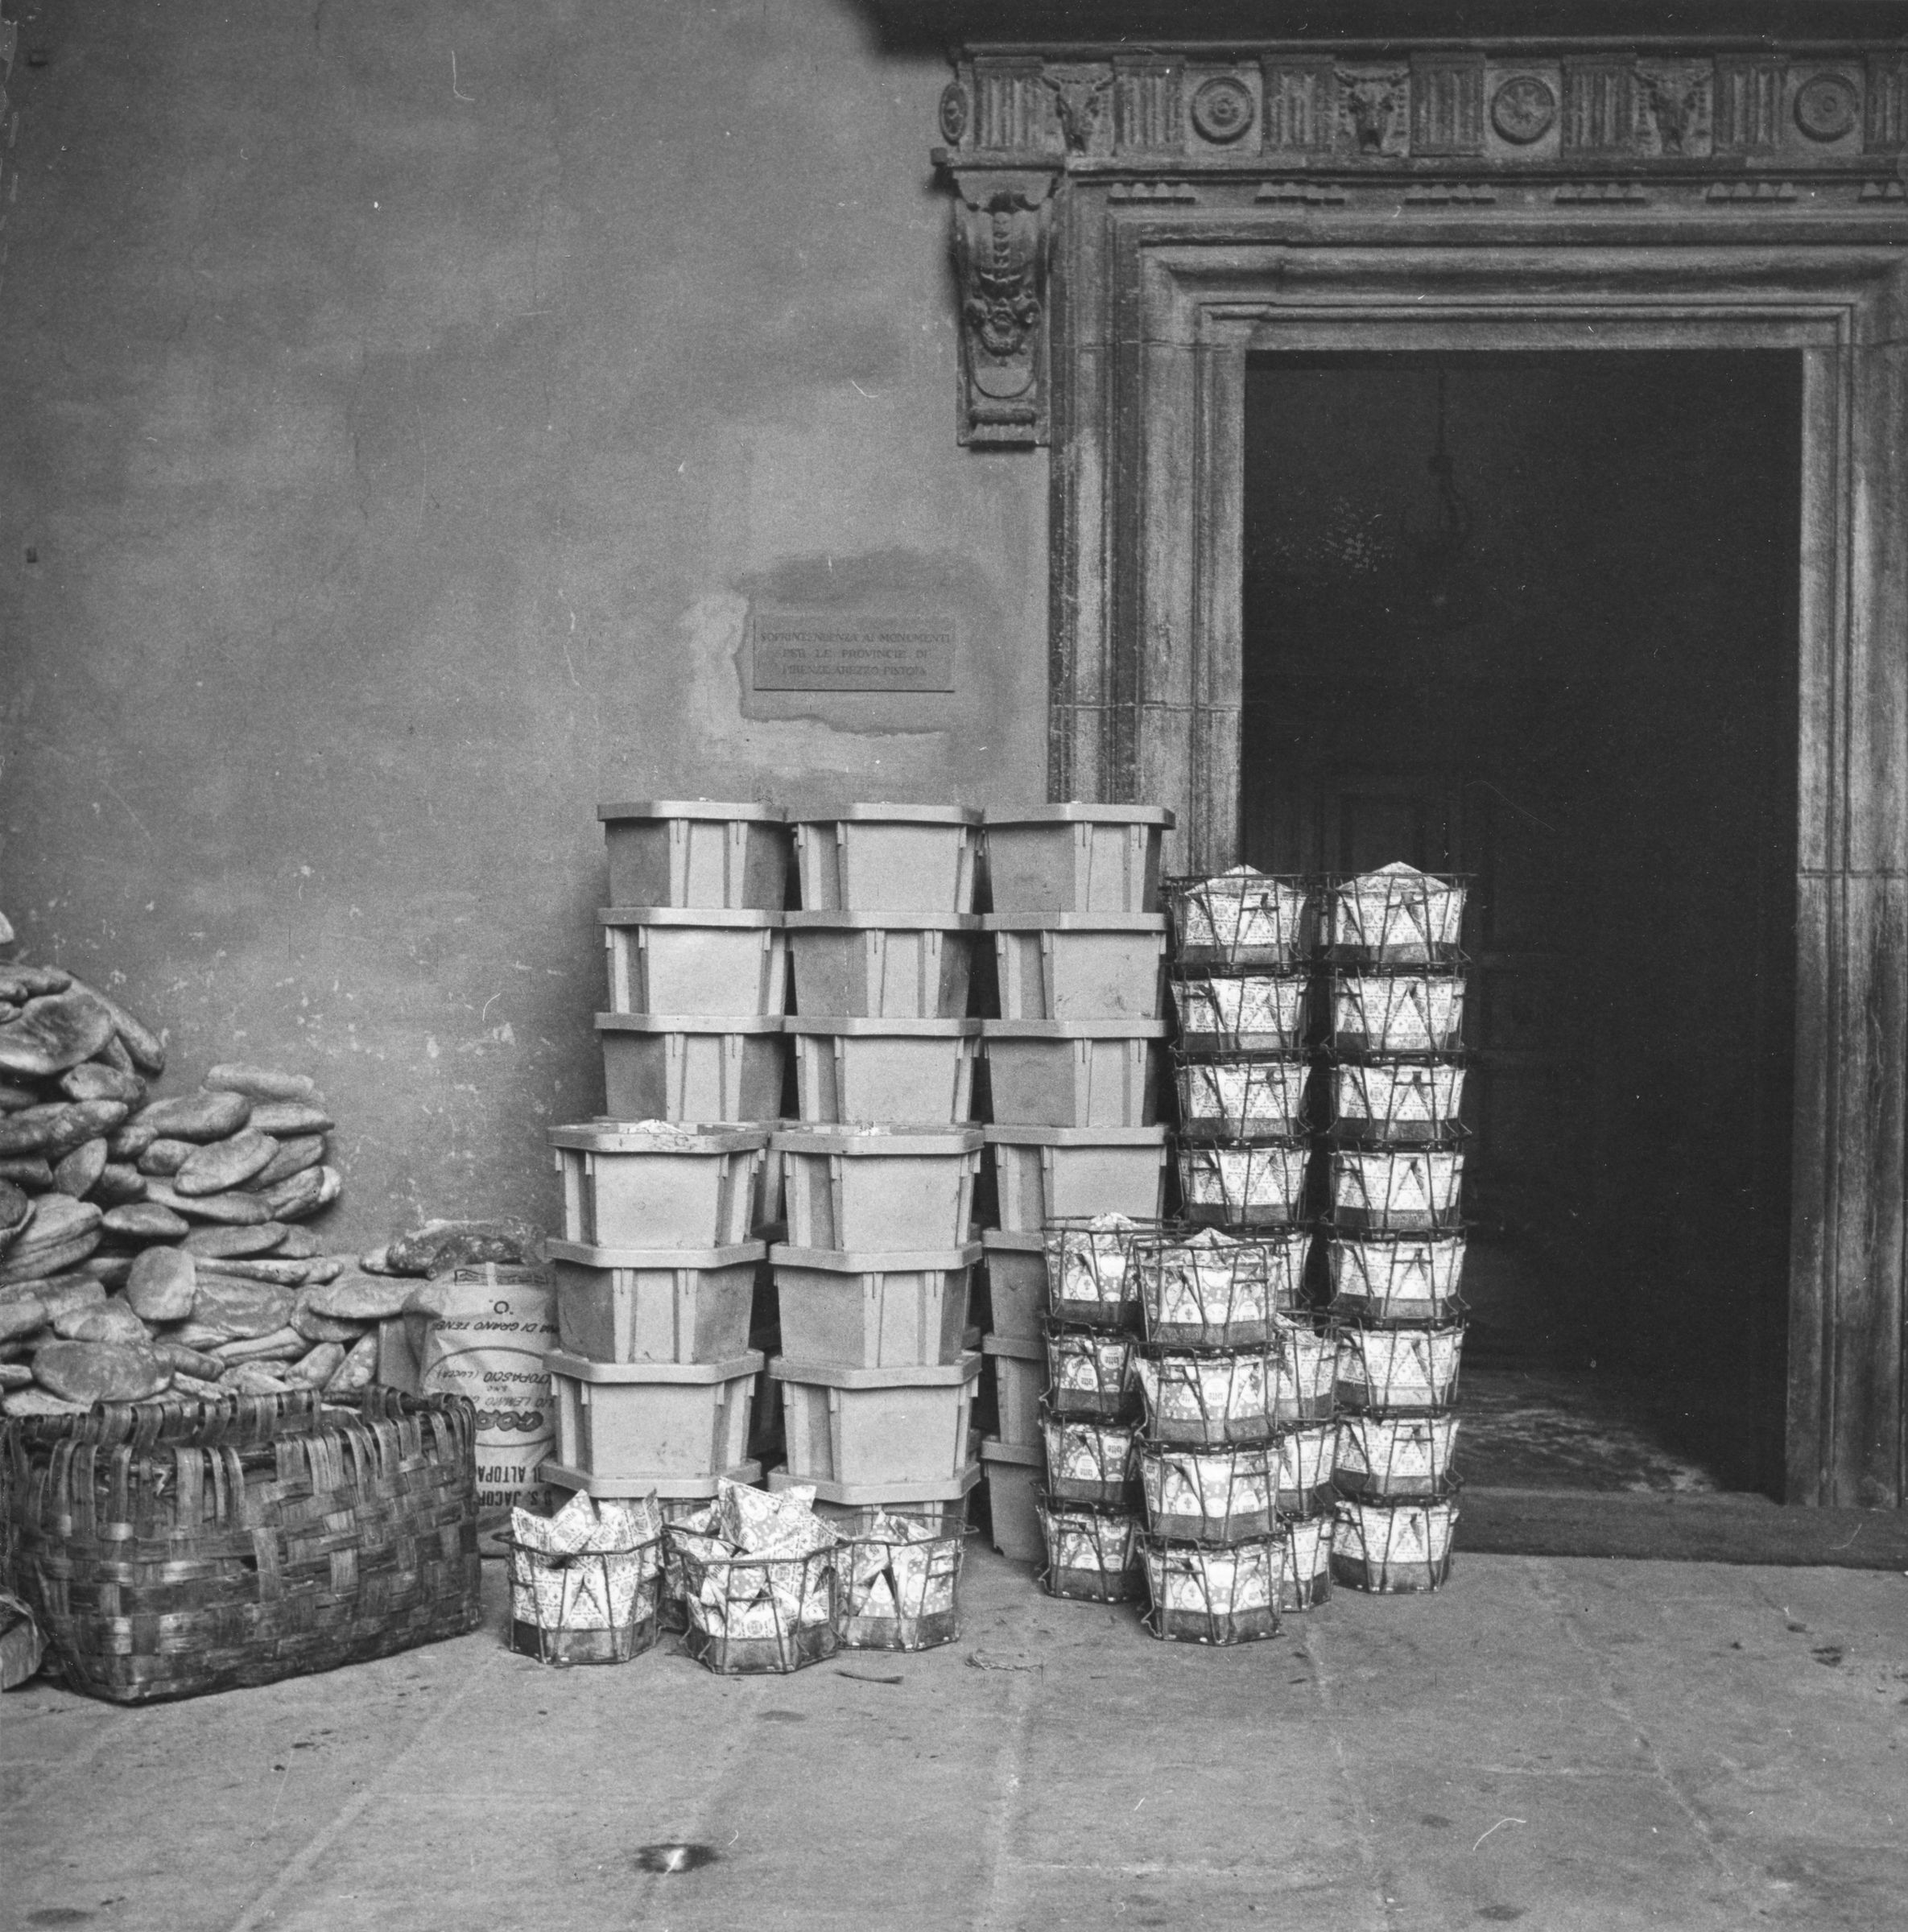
1001, 221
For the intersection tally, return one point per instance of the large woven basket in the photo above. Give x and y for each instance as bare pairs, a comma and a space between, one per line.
171, 1548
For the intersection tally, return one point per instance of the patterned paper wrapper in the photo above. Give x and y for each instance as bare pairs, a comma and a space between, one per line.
1414, 1276
1266, 1178
1088, 1274
1244, 1098
1265, 1005
1397, 913
1399, 1012
1402, 1187
1220, 1290
1407, 1096
1399, 1368
1239, 912
1217, 1581
1396, 1455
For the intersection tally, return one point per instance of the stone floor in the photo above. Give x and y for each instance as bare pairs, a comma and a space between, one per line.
1555, 1743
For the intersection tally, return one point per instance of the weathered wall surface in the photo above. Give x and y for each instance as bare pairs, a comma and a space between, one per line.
404, 399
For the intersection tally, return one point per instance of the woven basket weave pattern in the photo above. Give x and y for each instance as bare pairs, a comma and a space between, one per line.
170, 1550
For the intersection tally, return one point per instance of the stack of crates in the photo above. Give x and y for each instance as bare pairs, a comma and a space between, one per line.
877, 1371
1072, 1065
664, 1196
1396, 1242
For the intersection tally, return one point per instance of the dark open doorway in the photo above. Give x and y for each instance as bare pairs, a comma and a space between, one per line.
1553, 643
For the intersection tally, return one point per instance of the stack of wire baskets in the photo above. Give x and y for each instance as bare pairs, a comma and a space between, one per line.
1395, 1246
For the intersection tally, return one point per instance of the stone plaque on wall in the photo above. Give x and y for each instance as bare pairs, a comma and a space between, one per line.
836, 650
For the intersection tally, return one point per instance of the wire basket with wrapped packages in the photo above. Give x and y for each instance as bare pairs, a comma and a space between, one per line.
756, 1575
1209, 1290
1223, 1593
585, 1583
897, 1584
1093, 1554
1090, 1281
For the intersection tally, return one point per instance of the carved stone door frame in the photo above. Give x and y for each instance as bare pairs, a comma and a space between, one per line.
1133, 226
1150, 497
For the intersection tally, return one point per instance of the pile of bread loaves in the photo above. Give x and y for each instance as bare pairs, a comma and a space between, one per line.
152, 1246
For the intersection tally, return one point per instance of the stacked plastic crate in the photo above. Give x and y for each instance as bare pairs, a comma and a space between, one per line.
878, 1380
1074, 1140
1236, 1370
1396, 1239
654, 1377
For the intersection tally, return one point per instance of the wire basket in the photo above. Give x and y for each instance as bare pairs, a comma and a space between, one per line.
1089, 1281
1306, 1580
1242, 1012
1241, 917
1398, 1010
1397, 915
1378, 1279
1200, 1593
1214, 1290
1392, 1548
1394, 1456
1209, 1495
1088, 1461
591, 1607
1308, 1460
1399, 1369
899, 1592
1198, 1399
1089, 1371
1259, 1184
1397, 1190
1092, 1555
1244, 1097
1394, 1101
750, 1615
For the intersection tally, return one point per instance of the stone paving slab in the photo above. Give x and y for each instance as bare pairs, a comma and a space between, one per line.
1562, 1744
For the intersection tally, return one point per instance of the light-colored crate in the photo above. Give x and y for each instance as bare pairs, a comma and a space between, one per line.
1049, 1174
658, 1186
1016, 1264
874, 1310
1013, 1484
879, 1190
696, 852
1400, 1189
664, 960
1079, 966
632, 1420
882, 965
887, 859
891, 1072
1409, 1012
679, 1495
1234, 1013
1073, 1073
1251, 1184
852, 1506
865, 1427
1076, 857
630, 1305
685, 1067
1019, 1369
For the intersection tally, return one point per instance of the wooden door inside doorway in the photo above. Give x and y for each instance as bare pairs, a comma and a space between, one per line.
1571, 674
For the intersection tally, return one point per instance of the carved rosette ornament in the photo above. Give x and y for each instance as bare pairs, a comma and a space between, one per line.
1000, 256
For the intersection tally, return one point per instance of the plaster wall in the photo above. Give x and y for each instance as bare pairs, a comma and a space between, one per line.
404, 400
